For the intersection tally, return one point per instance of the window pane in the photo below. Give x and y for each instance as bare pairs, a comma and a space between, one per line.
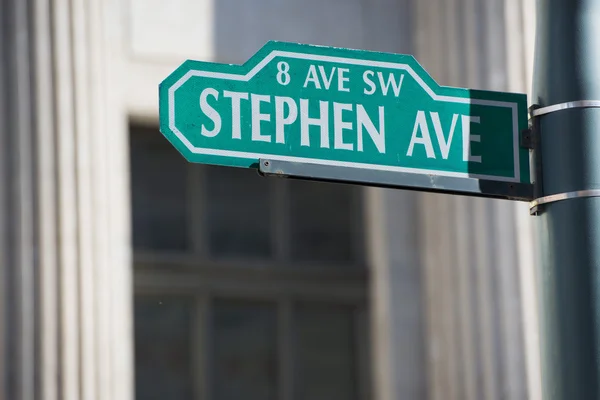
321, 216
158, 180
325, 354
244, 351
238, 206
163, 348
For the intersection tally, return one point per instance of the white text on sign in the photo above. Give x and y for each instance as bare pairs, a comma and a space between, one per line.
272, 116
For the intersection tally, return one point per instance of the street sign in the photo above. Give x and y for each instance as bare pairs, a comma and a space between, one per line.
345, 112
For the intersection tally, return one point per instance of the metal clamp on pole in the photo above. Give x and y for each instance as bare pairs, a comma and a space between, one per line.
536, 111
553, 198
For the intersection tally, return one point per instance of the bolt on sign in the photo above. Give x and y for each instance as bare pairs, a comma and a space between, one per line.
347, 113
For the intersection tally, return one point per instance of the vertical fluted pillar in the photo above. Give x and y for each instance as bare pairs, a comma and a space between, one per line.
17, 192
478, 266
396, 276
65, 323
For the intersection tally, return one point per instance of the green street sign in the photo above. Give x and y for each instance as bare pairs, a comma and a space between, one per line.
347, 113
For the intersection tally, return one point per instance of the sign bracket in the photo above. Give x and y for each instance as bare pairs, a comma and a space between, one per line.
528, 139
531, 138
397, 180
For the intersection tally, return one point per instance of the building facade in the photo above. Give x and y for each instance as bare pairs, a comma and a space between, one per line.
127, 273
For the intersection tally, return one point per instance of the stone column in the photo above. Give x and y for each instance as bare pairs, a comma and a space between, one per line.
478, 265
18, 243
64, 246
397, 294
396, 275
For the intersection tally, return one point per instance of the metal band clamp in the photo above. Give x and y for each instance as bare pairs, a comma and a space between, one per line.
536, 112
533, 205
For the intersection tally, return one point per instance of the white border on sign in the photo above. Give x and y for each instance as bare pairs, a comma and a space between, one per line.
341, 60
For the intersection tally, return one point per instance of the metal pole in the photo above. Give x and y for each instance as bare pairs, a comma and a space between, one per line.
567, 70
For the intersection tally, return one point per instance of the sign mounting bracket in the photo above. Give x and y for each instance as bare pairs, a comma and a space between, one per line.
531, 138
397, 180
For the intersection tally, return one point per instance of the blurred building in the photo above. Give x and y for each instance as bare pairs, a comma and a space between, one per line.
126, 272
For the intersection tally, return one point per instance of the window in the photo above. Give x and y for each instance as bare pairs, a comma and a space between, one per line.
321, 223
237, 199
159, 192
244, 350
246, 287
325, 347
163, 345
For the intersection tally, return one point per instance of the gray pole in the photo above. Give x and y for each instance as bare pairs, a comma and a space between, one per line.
567, 69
